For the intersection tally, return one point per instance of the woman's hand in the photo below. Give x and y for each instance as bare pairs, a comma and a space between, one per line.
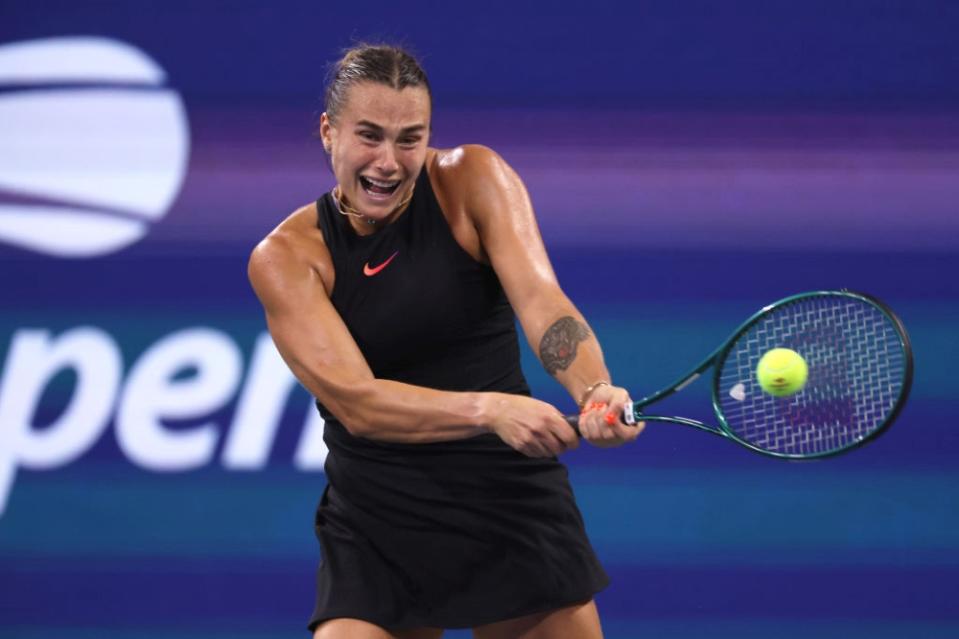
528, 425
600, 421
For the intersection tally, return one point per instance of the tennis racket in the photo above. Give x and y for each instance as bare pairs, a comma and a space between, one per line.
859, 374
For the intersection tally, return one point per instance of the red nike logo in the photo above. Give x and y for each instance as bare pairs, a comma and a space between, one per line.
370, 272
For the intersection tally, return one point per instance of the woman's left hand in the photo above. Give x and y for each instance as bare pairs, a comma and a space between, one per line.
601, 419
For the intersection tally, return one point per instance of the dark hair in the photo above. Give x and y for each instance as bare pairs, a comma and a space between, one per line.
382, 63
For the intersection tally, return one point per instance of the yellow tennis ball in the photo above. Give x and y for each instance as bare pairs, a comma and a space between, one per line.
782, 372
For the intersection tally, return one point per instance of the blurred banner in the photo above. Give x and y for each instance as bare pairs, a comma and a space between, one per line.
689, 162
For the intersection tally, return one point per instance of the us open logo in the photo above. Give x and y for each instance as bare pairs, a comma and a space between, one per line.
93, 146
93, 151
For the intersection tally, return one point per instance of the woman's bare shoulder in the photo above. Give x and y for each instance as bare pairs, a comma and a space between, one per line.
463, 162
294, 248
466, 172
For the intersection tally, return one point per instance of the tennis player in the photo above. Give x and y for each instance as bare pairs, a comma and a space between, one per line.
392, 299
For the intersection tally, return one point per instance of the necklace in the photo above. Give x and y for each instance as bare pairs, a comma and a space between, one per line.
344, 208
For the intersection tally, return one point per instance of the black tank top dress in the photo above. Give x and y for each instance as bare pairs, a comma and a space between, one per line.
453, 534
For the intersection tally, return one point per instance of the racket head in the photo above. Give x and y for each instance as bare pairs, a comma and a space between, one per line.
860, 372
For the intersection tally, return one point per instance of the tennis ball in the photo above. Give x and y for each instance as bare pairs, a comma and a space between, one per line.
782, 372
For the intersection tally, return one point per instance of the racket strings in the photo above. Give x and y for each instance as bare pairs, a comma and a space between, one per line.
856, 367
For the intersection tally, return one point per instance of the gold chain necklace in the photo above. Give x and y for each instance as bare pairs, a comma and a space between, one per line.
344, 208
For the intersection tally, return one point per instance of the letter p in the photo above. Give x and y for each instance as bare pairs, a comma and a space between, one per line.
32, 362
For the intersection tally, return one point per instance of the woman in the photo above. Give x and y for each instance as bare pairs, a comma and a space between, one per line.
392, 299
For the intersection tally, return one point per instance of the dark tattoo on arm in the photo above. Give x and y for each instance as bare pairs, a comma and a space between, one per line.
557, 349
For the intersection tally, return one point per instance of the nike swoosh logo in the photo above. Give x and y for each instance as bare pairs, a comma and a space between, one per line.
370, 272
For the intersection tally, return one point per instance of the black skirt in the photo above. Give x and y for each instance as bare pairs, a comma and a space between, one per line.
448, 535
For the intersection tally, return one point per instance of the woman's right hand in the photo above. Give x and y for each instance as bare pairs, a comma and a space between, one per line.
528, 425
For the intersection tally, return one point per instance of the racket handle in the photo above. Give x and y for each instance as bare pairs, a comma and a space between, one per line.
628, 417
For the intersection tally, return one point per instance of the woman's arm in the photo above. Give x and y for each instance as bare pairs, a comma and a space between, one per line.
559, 335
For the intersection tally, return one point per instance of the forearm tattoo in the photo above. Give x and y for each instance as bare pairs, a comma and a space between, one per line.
557, 349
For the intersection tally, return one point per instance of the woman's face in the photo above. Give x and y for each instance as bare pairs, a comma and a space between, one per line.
377, 145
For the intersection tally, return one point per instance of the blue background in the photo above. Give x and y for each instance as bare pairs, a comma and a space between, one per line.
689, 161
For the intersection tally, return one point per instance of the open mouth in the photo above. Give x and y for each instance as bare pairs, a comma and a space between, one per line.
379, 188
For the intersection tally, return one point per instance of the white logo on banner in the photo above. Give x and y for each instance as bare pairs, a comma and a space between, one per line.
104, 162
140, 403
